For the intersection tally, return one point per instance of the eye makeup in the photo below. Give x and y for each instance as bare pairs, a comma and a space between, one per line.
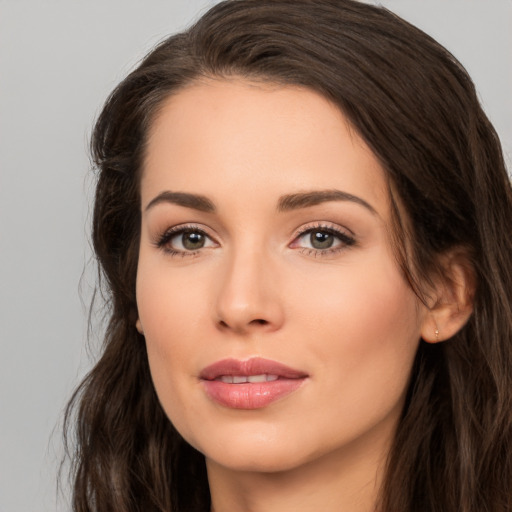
318, 239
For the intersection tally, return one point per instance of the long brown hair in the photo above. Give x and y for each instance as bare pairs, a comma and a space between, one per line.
417, 109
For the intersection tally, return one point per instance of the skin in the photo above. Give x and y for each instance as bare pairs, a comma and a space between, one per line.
344, 316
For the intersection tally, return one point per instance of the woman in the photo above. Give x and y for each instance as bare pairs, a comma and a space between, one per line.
302, 216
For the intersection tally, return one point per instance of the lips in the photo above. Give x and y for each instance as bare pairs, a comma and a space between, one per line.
250, 384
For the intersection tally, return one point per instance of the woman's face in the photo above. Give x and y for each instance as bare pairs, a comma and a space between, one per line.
279, 328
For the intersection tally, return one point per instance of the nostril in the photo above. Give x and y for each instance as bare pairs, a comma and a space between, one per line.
222, 324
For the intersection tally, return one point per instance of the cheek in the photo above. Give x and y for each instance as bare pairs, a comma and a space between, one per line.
171, 304
368, 330
172, 309
159, 312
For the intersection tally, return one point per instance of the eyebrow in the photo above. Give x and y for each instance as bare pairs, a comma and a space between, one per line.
286, 203
194, 201
306, 199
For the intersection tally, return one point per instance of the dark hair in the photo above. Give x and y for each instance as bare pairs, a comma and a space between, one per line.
417, 109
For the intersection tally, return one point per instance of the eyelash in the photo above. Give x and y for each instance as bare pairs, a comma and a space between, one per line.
345, 240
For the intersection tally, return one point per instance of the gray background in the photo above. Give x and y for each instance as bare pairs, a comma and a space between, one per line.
58, 61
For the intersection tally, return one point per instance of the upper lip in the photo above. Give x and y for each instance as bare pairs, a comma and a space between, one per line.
253, 366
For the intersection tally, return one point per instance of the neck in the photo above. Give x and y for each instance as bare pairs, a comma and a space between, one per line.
346, 482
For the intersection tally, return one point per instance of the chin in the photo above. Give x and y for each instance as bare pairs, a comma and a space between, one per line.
256, 461
256, 453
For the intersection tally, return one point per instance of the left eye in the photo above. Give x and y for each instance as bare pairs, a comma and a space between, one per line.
322, 239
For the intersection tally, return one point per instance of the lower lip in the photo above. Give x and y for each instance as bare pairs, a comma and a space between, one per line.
250, 395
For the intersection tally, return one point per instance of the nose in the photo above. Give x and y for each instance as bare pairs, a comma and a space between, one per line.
248, 300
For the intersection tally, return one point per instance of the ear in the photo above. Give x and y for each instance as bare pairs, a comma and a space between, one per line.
453, 294
138, 325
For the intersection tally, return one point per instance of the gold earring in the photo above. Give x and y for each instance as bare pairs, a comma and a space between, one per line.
436, 332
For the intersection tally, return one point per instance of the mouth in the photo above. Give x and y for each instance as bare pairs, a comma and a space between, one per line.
251, 384
242, 379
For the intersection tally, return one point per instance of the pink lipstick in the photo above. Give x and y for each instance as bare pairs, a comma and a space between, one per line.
251, 384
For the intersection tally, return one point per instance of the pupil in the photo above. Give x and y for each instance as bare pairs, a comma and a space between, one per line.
321, 240
193, 240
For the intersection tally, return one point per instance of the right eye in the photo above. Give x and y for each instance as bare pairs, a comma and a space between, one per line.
185, 241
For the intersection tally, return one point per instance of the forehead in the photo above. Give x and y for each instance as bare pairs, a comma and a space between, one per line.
219, 137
